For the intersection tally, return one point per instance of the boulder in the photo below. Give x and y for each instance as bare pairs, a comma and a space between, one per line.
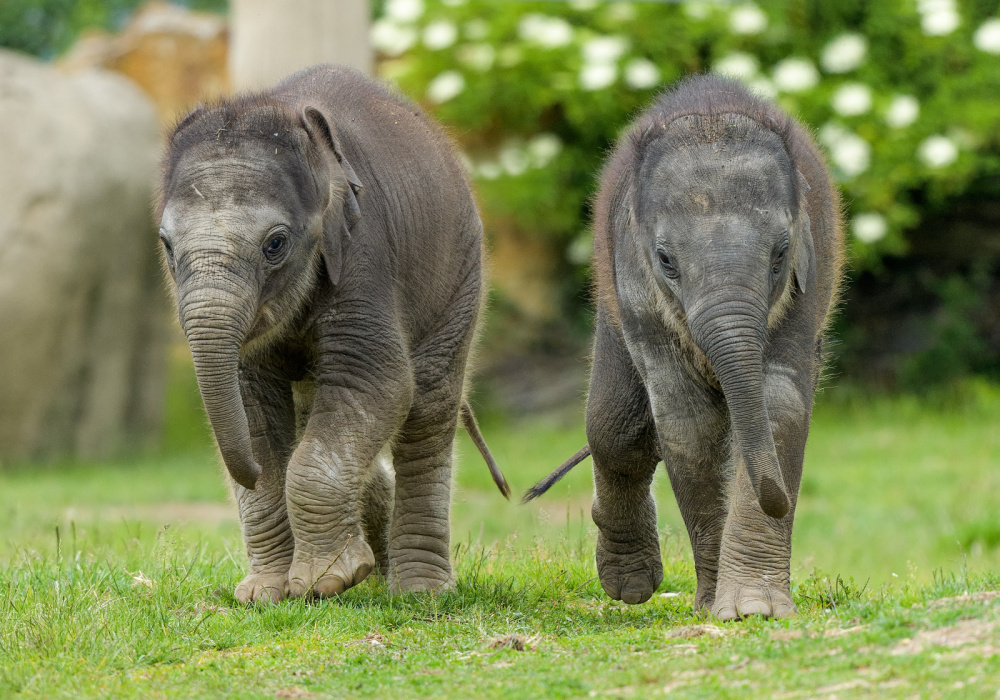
83, 317
177, 56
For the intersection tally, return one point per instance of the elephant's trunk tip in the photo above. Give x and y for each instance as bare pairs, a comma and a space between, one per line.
245, 474
768, 485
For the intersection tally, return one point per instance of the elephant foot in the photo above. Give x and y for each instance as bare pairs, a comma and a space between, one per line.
421, 579
629, 572
262, 587
704, 598
321, 577
735, 600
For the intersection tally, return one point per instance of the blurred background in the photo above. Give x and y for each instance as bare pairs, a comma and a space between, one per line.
101, 426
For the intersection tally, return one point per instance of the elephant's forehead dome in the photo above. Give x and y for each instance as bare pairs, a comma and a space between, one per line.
249, 176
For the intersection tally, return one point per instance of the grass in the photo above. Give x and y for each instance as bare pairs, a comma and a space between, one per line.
116, 579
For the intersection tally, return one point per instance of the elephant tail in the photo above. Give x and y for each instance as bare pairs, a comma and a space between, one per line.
472, 428
546, 483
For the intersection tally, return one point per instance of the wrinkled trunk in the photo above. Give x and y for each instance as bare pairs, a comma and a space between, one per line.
214, 332
731, 331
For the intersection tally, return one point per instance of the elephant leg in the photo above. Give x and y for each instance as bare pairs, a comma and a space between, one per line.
419, 540
263, 514
690, 420
755, 556
357, 409
376, 510
622, 440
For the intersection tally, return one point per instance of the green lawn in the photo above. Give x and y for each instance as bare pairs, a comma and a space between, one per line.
116, 579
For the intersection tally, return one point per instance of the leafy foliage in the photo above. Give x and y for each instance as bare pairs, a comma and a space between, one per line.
45, 28
905, 96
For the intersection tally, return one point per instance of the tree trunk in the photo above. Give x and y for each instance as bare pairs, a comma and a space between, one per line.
270, 40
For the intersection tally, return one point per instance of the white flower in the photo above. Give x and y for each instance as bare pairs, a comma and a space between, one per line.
697, 9
488, 170
869, 227
476, 29
987, 37
391, 38
597, 76
795, 75
583, 5
937, 151
844, 54
477, 56
902, 111
641, 74
621, 11
513, 159
747, 19
549, 32
850, 153
543, 148
404, 10
440, 34
604, 49
763, 87
940, 22
445, 86
852, 99
737, 65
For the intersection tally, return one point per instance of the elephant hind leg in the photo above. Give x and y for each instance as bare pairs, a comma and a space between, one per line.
376, 509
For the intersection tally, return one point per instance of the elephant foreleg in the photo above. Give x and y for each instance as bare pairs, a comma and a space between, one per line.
263, 515
756, 549
622, 441
359, 406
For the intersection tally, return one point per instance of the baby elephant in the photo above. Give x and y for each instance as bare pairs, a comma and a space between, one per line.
327, 257
718, 251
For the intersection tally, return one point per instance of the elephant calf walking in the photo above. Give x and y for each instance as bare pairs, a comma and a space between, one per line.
327, 258
718, 251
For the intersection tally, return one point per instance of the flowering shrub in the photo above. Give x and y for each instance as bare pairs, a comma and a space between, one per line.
903, 94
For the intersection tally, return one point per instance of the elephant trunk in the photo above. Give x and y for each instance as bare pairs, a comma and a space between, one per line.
215, 333
731, 332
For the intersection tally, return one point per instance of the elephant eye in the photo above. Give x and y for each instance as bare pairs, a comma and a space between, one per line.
275, 246
667, 264
779, 259
168, 250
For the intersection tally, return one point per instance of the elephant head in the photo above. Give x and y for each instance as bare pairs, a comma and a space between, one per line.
257, 205
723, 238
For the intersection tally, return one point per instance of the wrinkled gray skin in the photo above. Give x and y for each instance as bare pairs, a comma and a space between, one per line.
326, 252
717, 251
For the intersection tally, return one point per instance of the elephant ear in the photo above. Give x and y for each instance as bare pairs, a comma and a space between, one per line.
342, 211
803, 262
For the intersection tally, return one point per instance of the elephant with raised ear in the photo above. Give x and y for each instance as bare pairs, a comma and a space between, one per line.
327, 258
718, 253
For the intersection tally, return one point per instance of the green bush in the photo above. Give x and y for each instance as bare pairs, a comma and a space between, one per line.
46, 28
904, 95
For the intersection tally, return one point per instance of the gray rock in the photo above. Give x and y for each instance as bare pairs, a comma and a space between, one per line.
82, 310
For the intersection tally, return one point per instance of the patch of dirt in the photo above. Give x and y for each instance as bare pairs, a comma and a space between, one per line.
856, 684
372, 640
958, 636
162, 513
981, 597
293, 693
684, 678
692, 631
509, 641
